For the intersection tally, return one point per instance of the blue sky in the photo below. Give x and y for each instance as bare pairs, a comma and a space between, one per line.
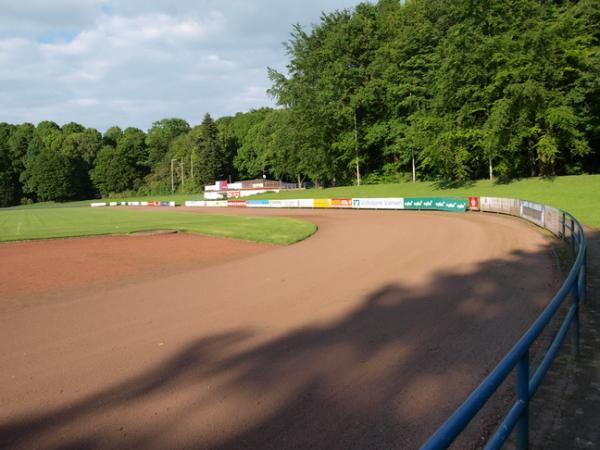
129, 63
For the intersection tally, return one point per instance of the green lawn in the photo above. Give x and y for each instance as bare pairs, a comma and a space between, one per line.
580, 195
39, 223
178, 198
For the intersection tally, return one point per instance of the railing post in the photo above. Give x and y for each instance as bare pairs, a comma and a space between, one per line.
523, 396
564, 226
572, 236
576, 325
584, 268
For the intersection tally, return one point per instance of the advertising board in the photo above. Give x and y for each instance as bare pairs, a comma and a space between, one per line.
290, 203
322, 203
532, 211
193, 203
236, 203
552, 217
217, 204
474, 203
341, 203
306, 203
500, 205
437, 203
257, 203
378, 203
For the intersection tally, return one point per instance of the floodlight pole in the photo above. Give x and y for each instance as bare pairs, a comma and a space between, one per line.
172, 179
182, 174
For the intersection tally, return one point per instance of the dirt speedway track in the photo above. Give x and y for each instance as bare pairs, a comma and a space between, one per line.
367, 335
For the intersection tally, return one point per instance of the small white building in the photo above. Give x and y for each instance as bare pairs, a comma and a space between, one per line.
223, 189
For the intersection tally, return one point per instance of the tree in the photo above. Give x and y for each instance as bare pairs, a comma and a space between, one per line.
72, 127
113, 173
208, 151
160, 136
81, 148
112, 136
50, 176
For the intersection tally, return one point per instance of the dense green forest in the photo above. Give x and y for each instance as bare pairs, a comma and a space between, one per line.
446, 90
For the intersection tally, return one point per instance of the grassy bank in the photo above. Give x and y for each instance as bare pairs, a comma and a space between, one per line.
39, 223
579, 195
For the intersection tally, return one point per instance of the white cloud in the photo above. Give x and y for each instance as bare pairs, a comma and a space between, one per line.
105, 63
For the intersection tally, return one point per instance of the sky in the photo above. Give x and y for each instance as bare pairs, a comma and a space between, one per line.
132, 62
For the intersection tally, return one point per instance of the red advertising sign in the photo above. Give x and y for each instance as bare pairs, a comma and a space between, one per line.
473, 202
236, 203
341, 203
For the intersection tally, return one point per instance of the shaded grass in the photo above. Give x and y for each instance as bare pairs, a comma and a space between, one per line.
580, 195
40, 223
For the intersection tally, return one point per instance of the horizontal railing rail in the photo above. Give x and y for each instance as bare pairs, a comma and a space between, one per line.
518, 357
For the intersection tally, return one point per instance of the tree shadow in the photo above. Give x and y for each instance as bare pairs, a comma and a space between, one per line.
453, 184
384, 375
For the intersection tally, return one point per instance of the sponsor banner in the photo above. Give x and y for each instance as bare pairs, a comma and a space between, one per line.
98, 205
236, 203
134, 203
217, 204
341, 203
552, 218
113, 204
213, 195
195, 203
474, 203
532, 211
257, 203
233, 194
290, 203
276, 203
437, 203
500, 205
322, 203
378, 203
306, 203
143, 203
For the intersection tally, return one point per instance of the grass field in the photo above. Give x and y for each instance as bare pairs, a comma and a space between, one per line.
178, 198
579, 195
39, 223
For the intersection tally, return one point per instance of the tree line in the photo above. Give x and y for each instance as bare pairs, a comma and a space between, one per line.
446, 90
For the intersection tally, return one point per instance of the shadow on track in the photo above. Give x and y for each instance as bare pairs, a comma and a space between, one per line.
384, 376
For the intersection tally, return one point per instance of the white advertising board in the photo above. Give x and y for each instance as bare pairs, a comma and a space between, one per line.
306, 203
378, 203
552, 220
195, 203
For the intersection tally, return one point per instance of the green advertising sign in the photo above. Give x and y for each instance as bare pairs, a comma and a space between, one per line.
437, 203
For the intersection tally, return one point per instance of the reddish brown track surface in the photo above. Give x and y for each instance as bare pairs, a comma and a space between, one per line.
366, 335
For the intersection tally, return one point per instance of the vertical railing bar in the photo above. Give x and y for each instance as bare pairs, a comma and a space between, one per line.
523, 395
576, 323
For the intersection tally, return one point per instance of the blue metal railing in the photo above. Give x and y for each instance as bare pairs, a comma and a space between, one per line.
518, 357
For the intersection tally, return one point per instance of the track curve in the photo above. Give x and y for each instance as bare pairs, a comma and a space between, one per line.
367, 335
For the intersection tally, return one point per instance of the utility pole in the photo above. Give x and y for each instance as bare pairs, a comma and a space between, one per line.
356, 148
172, 176
182, 174
414, 169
